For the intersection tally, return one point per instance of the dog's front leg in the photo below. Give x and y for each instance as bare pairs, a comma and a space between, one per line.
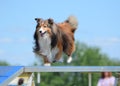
46, 61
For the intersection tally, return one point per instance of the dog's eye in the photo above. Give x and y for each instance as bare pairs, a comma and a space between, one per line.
45, 26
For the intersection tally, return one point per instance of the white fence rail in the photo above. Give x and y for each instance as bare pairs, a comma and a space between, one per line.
88, 69
72, 69
32, 69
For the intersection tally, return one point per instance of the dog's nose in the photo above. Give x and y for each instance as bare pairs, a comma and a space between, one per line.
40, 31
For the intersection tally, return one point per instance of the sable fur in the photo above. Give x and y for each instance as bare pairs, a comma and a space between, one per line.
61, 35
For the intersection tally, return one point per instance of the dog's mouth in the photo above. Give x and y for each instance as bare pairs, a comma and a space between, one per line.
42, 34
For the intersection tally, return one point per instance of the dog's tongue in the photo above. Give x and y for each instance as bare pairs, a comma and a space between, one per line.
42, 34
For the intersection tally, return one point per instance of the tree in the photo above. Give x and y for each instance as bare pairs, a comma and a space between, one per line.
83, 56
3, 63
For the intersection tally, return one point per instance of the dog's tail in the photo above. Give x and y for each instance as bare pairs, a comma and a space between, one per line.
72, 20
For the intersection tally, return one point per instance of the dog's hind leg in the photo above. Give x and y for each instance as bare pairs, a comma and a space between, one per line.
69, 52
58, 55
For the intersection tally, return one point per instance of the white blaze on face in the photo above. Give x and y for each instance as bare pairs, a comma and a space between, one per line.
41, 30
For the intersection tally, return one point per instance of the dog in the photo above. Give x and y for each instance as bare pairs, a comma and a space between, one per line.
52, 39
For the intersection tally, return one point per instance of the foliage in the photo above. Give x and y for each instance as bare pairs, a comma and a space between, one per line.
3, 63
83, 56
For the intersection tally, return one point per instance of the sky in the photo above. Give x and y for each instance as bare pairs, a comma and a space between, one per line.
99, 25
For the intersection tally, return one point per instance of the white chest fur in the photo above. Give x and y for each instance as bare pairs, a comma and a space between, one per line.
45, 43
45, 48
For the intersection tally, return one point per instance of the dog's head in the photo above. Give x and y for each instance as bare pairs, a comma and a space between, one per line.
44, 27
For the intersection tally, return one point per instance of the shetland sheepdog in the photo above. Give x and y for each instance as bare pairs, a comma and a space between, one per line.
52, 39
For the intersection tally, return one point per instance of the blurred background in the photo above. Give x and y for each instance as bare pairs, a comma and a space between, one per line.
97, 37
99, 25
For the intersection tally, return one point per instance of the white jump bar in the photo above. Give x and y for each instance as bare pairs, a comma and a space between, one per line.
72, 69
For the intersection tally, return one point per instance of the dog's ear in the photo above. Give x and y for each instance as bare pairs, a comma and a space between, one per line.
38, 20
50, 21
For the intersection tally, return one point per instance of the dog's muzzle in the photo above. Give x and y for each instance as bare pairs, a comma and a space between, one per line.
42, 33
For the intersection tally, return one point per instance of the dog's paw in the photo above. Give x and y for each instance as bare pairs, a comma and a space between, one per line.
69, 59
60, 60
47, 64
54, 61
